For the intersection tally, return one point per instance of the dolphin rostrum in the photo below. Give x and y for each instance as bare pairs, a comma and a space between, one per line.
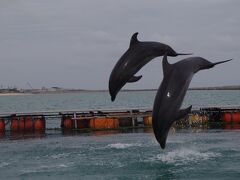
137, 55
171, 92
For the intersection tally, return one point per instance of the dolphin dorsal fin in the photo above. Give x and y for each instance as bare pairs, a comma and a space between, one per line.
134, 39
166, 66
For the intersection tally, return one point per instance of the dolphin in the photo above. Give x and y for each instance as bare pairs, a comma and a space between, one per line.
170, 95
137, 55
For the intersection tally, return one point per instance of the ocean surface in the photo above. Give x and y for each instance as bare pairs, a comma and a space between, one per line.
132, 154
101, 100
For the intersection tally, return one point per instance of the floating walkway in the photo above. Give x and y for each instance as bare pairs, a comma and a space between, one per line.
82, 120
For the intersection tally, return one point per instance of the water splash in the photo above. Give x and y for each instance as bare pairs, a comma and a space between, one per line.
184, 156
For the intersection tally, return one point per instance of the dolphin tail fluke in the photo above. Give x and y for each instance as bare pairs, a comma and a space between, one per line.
134, 79
183, 113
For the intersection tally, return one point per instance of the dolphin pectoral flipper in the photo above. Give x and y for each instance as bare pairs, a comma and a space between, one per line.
183, 113
134, 79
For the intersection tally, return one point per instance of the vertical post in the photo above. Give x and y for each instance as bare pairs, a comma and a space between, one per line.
74, 118
133, 120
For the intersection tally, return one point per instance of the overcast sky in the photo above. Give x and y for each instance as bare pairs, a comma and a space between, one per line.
75, 44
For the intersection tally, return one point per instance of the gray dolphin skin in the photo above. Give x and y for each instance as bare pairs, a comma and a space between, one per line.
171, 92
137, 55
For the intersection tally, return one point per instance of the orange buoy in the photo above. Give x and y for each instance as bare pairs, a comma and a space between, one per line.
104, 123
28, 126
227, 117
39, 123
14, 123
21, 123
236, 117
68, 123
2, 125
112, 123
147, 121
83, 123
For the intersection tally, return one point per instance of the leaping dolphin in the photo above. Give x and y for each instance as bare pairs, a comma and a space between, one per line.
137, 55
171, 92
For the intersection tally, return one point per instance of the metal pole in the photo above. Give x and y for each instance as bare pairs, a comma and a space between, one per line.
133, 120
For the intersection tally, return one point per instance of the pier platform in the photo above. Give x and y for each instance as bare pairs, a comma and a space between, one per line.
110, 119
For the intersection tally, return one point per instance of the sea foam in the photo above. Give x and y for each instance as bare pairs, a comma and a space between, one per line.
184, 156
123, 145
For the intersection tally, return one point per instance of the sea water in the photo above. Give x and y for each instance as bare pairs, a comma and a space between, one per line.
102, 100
208, 154
134, 154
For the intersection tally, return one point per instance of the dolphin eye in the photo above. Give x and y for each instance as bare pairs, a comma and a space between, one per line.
168, 95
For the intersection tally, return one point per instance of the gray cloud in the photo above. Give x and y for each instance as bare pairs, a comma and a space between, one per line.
72, 43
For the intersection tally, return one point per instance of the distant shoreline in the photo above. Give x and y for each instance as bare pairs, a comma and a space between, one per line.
14, 94
216, 88
32, 92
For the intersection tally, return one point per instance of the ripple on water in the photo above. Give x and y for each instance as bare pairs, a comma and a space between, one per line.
46, 168
183, 156
123, 145
3, 164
